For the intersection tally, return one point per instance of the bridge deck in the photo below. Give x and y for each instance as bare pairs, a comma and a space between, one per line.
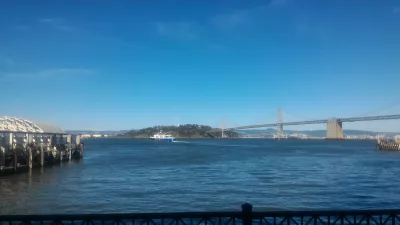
350, 119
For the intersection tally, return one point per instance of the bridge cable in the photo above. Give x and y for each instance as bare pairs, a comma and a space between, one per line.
301, 117
369, 113
392, 105
273, 114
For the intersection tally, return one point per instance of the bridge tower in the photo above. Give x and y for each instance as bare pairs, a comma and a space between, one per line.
223, 128
334, 129
279, 126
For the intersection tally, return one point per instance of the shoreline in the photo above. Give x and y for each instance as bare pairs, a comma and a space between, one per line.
125, 137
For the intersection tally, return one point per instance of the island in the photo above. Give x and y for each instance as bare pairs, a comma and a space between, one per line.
181, 131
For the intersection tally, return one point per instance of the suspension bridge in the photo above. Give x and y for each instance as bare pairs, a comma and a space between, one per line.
334, 126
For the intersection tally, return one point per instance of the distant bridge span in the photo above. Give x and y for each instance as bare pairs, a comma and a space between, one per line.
334, 125
350, 119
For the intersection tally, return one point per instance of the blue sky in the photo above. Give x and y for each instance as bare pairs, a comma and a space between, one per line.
131, 64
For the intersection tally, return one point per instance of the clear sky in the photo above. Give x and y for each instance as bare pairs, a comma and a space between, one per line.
130, 64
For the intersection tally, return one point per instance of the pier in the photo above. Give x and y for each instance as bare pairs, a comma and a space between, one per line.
21, 151
388, 145
25, 145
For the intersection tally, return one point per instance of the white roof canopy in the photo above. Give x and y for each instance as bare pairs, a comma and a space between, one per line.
13, 124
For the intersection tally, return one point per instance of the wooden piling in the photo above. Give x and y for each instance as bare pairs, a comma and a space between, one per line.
41, 155
60, 152
30, 159
15, 159
81, 149
69, 140
2, 157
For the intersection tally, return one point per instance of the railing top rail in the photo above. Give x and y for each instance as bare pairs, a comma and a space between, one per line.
195, 215
327, 212
121, 215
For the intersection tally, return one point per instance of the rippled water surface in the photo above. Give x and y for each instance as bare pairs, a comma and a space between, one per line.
132, 175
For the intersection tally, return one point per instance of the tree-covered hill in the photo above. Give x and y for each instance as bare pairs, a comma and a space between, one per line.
181, 131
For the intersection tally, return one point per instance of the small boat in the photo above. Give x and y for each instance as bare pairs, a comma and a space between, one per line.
163, 137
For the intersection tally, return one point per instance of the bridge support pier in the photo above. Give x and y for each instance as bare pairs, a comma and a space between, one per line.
279, 131
334, 129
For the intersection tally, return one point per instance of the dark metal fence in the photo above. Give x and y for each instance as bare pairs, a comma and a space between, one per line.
245, 217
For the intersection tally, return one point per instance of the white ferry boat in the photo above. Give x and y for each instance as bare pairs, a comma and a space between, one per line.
163, 137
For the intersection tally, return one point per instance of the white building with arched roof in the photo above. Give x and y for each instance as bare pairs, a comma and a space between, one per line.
13, 124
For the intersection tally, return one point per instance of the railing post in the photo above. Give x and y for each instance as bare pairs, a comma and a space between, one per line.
247, 211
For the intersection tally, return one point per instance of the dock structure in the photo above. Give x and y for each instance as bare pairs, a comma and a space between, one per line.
25, 145
388, 145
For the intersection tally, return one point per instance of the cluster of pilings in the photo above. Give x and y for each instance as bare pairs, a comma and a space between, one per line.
21, 151
387, 145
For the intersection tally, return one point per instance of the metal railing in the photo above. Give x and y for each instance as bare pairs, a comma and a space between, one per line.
244, 217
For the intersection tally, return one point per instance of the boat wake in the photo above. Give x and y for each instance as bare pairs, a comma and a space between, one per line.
180, 141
